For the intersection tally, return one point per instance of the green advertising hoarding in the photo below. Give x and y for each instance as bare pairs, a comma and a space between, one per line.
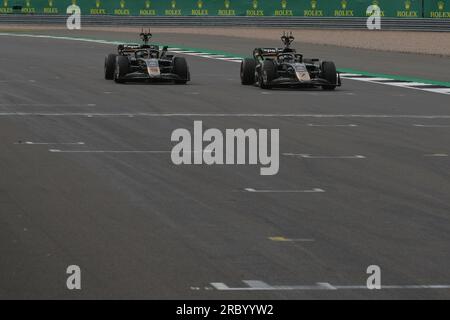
439, 9
339, 8
34, 6
303, 8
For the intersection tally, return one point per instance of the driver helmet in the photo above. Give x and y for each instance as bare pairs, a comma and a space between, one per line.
153, 54
142, 54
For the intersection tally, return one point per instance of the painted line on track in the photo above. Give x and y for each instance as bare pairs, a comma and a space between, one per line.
221, 115
431, 125
436, 155
283, 239
332, 125
309, 156
49, 143
403, 84
109, 151
58, 105
258, 285
123, 151
392, 80
314, 190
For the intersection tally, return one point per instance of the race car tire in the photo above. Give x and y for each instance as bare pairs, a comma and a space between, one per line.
248, 66
329, 74
122, 67
269, 69
110, 64
180, 68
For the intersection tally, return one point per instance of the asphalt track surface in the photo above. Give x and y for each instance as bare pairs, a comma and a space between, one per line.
141, 227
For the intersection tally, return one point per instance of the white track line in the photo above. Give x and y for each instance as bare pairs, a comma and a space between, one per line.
50, 143
405, 84
308, 156
101, 151
314, 190
237, 59
225, 115
349, 75
257, 285
331, 125
191, 53
432, 125
47, 105
436, 90
108, 151
123, 151
283, 239
436, 155
208, 56
369, 79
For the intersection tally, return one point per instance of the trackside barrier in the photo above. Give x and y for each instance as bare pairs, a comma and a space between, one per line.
434, 9
405, 24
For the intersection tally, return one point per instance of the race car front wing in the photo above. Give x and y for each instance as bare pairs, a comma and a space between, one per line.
285, 81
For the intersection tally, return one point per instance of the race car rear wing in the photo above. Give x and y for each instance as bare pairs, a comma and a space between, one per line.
131, 48
127, 48
270, 52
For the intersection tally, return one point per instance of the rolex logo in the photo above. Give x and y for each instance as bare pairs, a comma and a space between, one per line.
173, 4
28, 3
147, 4
227, 4
441, 5
255, 4
5, 3
97, 4
375, 2
313, 4
283, 4
200, 4
344, 4
407, 5
122, 4
50, 3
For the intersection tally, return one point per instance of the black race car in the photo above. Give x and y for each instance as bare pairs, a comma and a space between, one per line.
278, 67
145, 62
